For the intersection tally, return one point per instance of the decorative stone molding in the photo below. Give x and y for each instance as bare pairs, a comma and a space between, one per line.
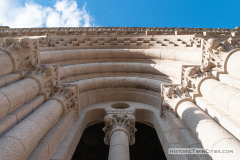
122, 120
78, 42
192, 76
109, 29
24, 51
172, 95
68, 96
215, 51
47, 77
195, 41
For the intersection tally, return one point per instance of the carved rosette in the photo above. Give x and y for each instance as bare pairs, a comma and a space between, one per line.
172, 95
46, 76
68, 96
24, 52
116, 120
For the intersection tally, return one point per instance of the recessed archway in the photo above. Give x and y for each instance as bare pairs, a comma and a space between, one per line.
92, 147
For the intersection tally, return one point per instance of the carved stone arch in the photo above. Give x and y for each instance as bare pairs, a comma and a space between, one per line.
144, 113
102, 114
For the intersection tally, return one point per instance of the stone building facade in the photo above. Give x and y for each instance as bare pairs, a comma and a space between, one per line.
55, 82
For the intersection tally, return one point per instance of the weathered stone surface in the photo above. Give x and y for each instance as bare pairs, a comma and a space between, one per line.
80, 72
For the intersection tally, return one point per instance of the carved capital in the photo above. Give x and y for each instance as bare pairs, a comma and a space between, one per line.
210, 55
192, 76
24, 51
215, 51
195, 42
46, 76
172, 95
116, 120
68, 96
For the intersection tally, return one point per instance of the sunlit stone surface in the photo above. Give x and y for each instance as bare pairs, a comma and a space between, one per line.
56, 82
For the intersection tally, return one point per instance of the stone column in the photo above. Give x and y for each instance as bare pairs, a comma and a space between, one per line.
16, 94
119, 133
18, 55
224, 96
232, 64
209, 134
6, 64
20, 141
119, 146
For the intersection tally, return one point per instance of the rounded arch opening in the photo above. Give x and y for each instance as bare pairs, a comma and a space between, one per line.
92, 147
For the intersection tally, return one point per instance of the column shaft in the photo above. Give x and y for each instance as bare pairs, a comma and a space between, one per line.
207, 131
5, 64
233, 65
20, 141
224, 96
16, 94
119, 146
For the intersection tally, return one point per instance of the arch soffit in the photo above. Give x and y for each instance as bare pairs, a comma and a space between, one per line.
144, 113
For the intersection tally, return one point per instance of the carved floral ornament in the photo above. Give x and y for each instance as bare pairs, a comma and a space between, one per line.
172, 95
68, 96
46, 76
24, 53
214, 53
123, 120
110, 29
192, 76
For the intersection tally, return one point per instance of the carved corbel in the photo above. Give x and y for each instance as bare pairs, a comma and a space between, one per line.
172, 95
47, 77
43, 41
195, 41
24, 53
192, 76
122, 120
68, 96
214, 53
210, 55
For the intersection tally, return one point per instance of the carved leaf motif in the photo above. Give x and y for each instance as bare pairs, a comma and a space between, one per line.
115, 121
24, 51
68, 94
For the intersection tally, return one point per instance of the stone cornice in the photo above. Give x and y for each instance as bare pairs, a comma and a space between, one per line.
116, 30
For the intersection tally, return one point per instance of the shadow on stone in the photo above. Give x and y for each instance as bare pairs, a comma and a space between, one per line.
92, 147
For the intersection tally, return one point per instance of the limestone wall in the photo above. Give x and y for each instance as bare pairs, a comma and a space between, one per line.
54, 86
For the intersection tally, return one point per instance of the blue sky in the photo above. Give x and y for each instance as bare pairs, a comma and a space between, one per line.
140, 13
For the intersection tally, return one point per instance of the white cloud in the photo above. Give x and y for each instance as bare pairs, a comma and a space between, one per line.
64, 13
